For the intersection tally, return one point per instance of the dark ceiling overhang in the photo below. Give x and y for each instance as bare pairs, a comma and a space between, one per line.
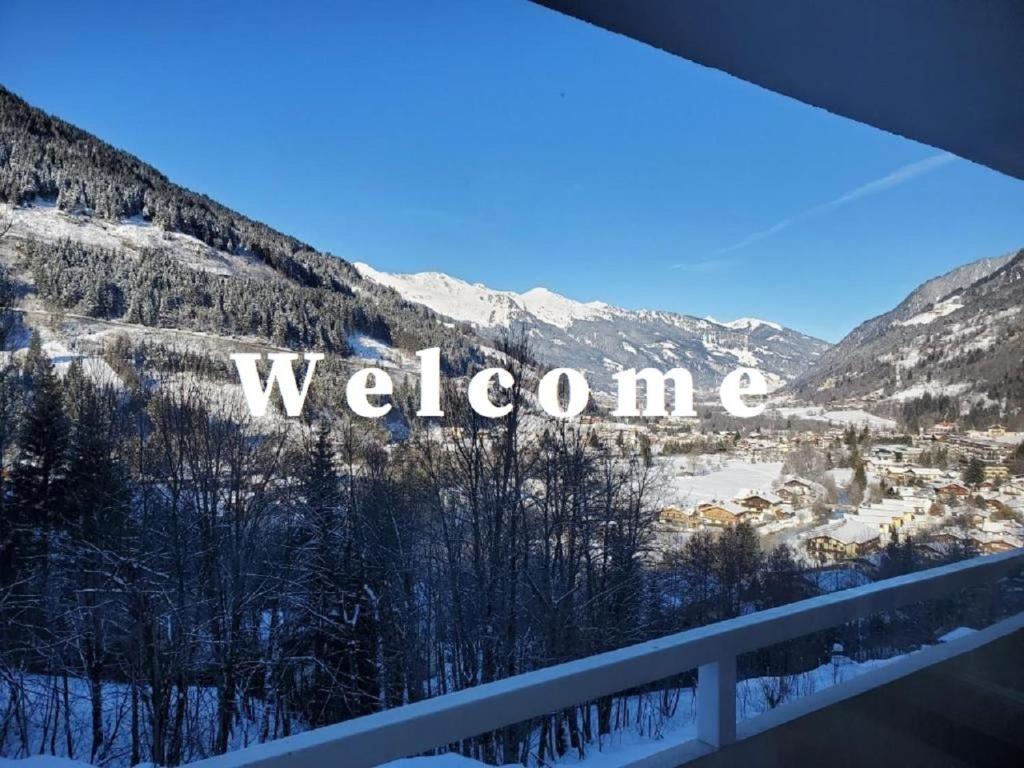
949, 73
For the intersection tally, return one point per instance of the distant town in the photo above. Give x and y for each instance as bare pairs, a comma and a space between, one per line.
843, 493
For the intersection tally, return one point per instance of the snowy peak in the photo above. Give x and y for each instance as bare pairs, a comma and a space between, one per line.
604, 339
484, 307
751, 324
940, 309
745, 323
461, 301
560, 311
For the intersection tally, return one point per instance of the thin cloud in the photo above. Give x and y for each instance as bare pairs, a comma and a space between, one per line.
896, 178
703, 267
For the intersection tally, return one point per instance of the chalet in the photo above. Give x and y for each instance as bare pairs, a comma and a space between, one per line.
925, 474
796, 487
947, 538
799, 492
846, 540
906, 474
996, 544
948, 491
890, 514
788, 496
1012, 487
994, 504
892, 471
675, 516
758, 501
725, 513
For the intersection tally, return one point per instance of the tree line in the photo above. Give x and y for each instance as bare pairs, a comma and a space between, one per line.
156, 289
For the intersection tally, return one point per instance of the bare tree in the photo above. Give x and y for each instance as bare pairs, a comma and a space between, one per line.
6, 220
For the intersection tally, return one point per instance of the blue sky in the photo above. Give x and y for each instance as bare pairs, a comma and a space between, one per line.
505, 144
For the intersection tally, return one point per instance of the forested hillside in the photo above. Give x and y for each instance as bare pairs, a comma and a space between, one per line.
316, 298
953, 349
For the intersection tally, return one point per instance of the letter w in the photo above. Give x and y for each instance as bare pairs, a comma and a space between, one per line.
282, 373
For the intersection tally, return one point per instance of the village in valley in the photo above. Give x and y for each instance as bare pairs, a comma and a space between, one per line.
840, 493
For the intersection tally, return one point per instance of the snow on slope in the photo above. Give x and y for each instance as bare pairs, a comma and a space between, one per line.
941, 309
44, 221
482, 306
555, 309
591, 336
854, 417
745, 323
485, 307
602, 339
957, 334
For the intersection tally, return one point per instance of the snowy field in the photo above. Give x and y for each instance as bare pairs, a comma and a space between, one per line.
44, 221
849, 417
719, 480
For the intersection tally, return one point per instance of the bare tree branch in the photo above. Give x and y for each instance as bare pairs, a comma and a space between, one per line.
6, 221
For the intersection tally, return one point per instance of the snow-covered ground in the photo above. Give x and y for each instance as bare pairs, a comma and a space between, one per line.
847, 417
436, 761
368, 348
647, 721
36, 718
933, 388
842, 476
44, 221
941, 309
42, 761
720, 480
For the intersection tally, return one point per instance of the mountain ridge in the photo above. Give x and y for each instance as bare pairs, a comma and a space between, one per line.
952, 346
605, 338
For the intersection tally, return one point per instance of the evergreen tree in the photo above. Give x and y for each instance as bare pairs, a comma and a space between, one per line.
975, 472
860, 477
97, 502
645, 450
42, 439
97, 497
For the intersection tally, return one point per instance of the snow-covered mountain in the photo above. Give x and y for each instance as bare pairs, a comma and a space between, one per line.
484, 307
959, 335
603, 339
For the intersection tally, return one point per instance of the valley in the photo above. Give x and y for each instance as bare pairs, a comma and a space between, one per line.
184, 574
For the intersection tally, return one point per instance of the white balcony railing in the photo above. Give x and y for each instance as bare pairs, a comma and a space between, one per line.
712, 650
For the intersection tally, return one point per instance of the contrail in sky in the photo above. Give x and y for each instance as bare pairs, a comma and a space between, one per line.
896, 178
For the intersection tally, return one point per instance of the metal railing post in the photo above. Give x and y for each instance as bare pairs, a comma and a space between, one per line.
716, 702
